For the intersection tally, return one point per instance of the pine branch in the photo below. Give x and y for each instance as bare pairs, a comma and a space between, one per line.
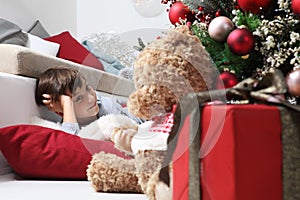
192, 4
141, 45
211, 6
276, 33
247, 19
224, 59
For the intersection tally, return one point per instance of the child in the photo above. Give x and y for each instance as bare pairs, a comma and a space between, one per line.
66, 92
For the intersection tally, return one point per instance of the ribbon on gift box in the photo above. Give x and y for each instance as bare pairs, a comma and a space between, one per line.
269, 90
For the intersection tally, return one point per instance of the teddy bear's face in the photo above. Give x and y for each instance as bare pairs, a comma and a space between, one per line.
151, 100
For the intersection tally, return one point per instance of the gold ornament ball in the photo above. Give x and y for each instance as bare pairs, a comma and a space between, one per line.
219, 28
293, 82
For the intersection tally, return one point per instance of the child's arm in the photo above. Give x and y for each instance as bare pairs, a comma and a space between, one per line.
67, 109
64, 108
69, 124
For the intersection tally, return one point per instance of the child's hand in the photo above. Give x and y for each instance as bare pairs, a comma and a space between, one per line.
57, 106
50, 104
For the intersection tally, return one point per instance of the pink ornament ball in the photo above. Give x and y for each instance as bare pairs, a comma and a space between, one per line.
241, 41
219, 28
293, 82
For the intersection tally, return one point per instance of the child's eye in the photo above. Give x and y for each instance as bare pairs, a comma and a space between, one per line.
78, 98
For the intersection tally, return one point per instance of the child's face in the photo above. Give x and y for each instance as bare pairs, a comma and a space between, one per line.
85, 102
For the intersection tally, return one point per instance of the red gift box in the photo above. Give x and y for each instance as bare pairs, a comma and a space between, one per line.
241, 154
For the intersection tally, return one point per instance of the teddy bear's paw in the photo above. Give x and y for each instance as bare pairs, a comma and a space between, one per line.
162, 191
158, 190
110, 173
147, 163
153, 187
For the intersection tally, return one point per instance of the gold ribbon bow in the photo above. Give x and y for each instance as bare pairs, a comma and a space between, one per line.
268, 88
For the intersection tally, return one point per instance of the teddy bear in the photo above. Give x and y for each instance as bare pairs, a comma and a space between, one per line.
131, 173
166, 69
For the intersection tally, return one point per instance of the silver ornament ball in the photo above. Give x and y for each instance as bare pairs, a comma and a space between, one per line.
219, 28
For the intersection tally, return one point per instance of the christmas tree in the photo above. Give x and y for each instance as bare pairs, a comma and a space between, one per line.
245, 37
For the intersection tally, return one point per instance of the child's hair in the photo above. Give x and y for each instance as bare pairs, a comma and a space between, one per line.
57, 81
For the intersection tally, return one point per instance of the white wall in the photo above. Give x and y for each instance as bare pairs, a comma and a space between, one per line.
96, 16
84, 17
55, 15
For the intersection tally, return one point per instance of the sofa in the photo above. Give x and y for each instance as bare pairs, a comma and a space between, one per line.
23, 176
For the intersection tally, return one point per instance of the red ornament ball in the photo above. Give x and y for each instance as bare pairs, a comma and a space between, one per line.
178, 11
219, 28
255, 6
240, 41
293, 82
296, 7
226, 80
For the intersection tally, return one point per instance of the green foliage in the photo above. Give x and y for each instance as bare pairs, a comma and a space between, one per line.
249, 20
224, 58
211, 6
276, 32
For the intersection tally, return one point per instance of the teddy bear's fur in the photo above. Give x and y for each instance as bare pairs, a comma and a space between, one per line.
110, 173
147, 163
165, 70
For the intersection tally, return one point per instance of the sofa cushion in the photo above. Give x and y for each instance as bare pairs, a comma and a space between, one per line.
11, 33
71, 49
38, 29
37, 44
23, 61
43, 153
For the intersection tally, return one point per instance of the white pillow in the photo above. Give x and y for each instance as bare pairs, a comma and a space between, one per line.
38, 44
35, 120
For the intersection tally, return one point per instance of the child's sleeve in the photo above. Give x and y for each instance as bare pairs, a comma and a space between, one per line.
72, 128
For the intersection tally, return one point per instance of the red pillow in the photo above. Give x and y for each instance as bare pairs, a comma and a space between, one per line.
44, 153
71, 49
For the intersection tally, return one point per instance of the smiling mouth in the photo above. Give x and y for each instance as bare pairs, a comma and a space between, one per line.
93, 106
